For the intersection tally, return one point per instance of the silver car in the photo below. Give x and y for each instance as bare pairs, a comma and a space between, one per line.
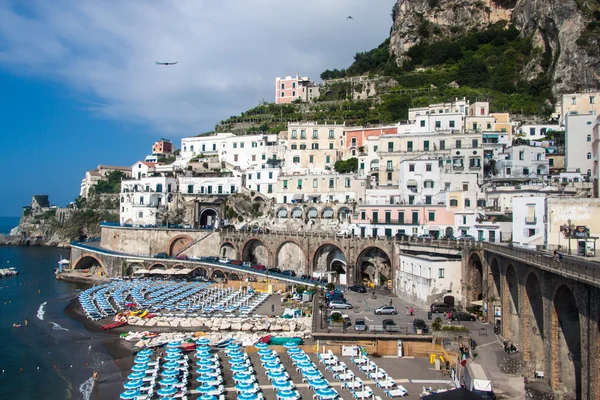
341, 305
389, 310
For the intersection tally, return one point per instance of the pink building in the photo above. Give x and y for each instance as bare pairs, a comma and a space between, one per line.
355, 138
291, 88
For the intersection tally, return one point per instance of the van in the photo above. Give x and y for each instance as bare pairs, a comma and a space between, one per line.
477, 381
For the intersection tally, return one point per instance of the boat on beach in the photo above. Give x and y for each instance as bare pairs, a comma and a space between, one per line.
8, 272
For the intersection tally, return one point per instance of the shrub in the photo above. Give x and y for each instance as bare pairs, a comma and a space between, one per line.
330, 286
437, 324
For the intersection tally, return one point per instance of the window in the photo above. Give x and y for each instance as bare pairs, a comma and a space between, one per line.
401, 217
522, 155
589, 138
327, 159
214, 147
220, 189
284, 199
253, 157
411, 167
299, 183
352, 141
543, 132
390, 147
415, 217
293, 85
441, 273
475, 143
315, 183
453, 203
442, 145
551, 162
389, 176
447, 186
431, 216
362, 165
426, 145
282, 94
235, 157
242, 145
525, 171
269, 188
428, 184
302, 147
474, 126
201, 189
330, 146
315, 134
258, 188
388, 217
508, 171
331, 136
302, 134
141, 214
538, 156
428, 167
311, 159
232, 189
390, 166
592, 99
294, 134
235, 145
209, 189
363, 215
263, 157
296, 159
258, 175
159, 188
294, 93
467, 202
452, 124
192, 148
465, 187
458, 144
573, 100
409, 146
411, 199
203, 147
294, 147
331, 183
422, 123
254, 145
489, 126
282, 87
589, 156
438, 124
427, 199
347, 182
375, 217
474, 162
315, 146
375, 149
190, 189
285, 184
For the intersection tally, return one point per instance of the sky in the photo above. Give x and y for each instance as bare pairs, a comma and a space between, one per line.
79, 85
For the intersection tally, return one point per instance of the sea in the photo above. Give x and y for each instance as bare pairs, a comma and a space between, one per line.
54, 356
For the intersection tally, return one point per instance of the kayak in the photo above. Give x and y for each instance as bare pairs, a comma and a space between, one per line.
113, 325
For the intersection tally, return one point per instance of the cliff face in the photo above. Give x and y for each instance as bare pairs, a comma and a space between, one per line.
565, 43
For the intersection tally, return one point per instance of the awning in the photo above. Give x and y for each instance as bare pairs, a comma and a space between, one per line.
477, 303
312, 213
282, 213
411, 182
141, 271
296, 213
183, 271
299, 196
328, 213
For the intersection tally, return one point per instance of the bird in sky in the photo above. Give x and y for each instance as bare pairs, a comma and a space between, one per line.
349, 17
166, 63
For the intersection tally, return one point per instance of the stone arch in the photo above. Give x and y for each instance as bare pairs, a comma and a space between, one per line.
282, 212
375, 265
228, 250
449, 232
474, 277
327, 213
199, 271
495, 280
90, 262
512, 300
157, 266
131, 268
208, 217
256, 251
178, 266
344, 213
312, 213
533, 307
289, 255
218, 274
567, 340
297, 213
178, 244
323, 259
233, 276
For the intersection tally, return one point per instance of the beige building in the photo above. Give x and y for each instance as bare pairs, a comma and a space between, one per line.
584, 217
92, 177
578, 103
579, 143
319, 188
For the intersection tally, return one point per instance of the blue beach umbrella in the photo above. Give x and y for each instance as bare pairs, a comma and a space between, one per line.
136, 375
286, 394
207, 397
145, 352
295, 350
247, 396
311, 374
241, 376
237, 359
282, 385
326, 393
261, 345
166, 391
204, 362
272, 365
170, 372
232, 346
168, 381
171, 365
134, 384
268, 358
305, 364
130, 394
265, 352
203, 341
290, 345
174, 343
206, 389
173, 350
139, 367
299, 357
276, 374
318, 384
235, 353
204, 378
202, 352
172, 357
205, 370
239, 368
243, 386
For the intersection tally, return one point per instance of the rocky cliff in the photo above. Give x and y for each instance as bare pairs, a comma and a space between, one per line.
565, 33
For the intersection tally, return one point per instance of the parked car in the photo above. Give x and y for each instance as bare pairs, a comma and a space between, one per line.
389, 325
360, 325
161, 255
276, 270
211, 258
357, 289
401, 236
259, 267
187, 226
228, 228
195, 258
182, 257
463, 316
236, 262
389, 310
257, 229
441, 308
425, 237
332, 293
337, 304
337, 298
419, 324
225, 260
288, 272
247, 264
466, 237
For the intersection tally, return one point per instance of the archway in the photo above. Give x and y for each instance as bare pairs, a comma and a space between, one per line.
312, 213
290, 256
296, 212
90, 263
179, 244
157, 267
282, 213
330, 261
256, 252
449, 232
567, 341
327, 213
375, 266
512, 313
208, 217
474, 278
344, 213
228, 251
131, 268
534, 321
199, 271
218, 274
233, 277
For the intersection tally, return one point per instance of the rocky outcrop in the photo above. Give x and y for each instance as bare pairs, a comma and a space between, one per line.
232, 324
564, 33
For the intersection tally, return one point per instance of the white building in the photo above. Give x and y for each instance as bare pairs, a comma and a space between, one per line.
210, 184
428, 278
522, 161
536, 131
203, 145
144, 201
578, 143
528, 221
262, 180
457, 106
319, 188
249, 151
142, 169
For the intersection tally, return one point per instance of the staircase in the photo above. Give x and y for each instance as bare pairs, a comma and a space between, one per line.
207, 234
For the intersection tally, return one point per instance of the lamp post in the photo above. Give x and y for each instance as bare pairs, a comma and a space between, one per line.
570, 233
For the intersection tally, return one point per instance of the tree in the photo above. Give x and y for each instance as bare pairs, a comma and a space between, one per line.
472, 72
346, 166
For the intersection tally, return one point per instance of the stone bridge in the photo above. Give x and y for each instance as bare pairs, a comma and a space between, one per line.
550, 308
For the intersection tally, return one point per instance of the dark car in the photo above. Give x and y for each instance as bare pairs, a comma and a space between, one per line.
389, 325
332, 293
360, 325
259, 267
211, 258
357, 289
463, 316
161, 255
401, 236
276, 270
288, 272
229, 228
182, 257
441, 308
420, 324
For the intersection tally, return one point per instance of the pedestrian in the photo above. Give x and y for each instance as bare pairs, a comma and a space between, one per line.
450, 316
390, 302
412, 311
95, 376
555, 257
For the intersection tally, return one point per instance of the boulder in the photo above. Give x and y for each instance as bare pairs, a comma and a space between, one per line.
247, 326
236, 326
151, 322
292, 326
285, 327
162, 323
174, 323
185, 323
225, 325
275, 328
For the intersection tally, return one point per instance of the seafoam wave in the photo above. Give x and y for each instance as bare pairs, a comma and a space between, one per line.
41, 311
57, 327
86, 389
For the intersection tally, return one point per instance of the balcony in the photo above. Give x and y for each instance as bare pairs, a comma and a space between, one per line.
458, 167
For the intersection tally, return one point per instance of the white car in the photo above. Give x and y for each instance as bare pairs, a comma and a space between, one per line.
247, 264
335, 304
194, 258
225, 260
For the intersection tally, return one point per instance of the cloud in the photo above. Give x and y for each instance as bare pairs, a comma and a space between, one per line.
229, 52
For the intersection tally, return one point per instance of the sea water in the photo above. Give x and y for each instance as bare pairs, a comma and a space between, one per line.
47, 359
